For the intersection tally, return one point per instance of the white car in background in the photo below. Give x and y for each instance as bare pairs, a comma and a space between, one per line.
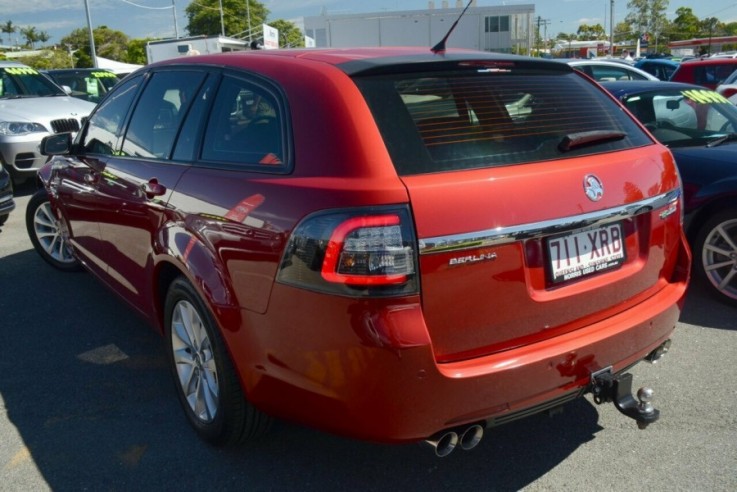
609, 70
32, 107
728, 88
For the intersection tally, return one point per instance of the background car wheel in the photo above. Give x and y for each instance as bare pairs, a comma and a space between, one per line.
47, 233
715, 255
205, 379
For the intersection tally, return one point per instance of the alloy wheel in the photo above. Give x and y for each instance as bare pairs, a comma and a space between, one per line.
195, 362
719, 257
50, 234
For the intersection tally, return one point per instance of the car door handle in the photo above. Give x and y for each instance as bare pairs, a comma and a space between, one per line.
153, 188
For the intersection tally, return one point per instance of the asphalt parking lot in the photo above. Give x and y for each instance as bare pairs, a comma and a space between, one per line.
88, 404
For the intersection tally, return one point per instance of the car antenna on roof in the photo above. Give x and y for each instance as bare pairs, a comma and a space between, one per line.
440, 47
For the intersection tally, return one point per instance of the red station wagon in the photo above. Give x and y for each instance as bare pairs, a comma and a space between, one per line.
390, 244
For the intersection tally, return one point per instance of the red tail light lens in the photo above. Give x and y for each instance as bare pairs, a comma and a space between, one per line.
360, 252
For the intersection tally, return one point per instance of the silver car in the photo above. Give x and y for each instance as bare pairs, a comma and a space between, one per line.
32, 107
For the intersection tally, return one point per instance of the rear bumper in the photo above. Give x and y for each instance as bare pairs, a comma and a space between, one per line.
381, 382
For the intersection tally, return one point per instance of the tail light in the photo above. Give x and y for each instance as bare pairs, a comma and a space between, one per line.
362, 252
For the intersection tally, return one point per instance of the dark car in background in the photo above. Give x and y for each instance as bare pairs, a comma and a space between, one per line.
699, 126
388, 243
7, 204
90, 84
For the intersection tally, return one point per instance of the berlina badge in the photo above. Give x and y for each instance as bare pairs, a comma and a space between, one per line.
593, 187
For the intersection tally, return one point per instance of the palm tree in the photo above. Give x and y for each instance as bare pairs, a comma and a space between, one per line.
30, 34
8, 28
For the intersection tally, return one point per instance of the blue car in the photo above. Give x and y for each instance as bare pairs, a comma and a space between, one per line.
700, 128
662, 68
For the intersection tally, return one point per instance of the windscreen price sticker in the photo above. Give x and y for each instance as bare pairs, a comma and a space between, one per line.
584, 252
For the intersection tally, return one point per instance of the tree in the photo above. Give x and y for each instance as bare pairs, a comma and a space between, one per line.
591, 33
9, 29
623, 32
136, 52
685, 25
32, 36
204, 17
109, 43
47, 60
647, 16
290, 36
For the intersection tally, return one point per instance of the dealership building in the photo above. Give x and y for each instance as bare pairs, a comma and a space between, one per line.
503, 28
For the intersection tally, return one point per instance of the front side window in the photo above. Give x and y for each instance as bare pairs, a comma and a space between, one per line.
482, 118
245, 128
105, 125
159, 113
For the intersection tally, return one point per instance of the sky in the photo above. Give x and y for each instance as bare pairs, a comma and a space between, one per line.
155, 18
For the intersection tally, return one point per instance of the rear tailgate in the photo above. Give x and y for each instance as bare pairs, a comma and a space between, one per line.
541, 207
492, 243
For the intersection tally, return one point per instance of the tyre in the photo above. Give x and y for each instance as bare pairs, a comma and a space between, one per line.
715, 256
48, 233
205, 379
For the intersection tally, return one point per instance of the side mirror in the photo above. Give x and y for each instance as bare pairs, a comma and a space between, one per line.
57, 144
67, 89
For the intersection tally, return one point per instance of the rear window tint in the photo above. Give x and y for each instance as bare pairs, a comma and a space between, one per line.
444, 121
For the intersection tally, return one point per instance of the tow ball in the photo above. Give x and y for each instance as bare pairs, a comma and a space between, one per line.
606, 387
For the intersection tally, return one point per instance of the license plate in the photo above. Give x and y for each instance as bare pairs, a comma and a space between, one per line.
584, 252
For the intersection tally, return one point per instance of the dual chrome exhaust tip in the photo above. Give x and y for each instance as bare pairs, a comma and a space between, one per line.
467, 438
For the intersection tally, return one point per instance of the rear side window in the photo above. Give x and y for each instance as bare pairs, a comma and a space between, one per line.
713, 74
470, 119
246, 127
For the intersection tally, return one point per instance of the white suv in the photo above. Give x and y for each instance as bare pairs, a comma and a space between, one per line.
32, 107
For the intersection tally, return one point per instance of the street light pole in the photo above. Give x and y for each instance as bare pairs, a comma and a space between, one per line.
176, 28
222, 22
92, 37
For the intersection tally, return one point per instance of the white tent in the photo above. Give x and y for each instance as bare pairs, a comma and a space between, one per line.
116, 66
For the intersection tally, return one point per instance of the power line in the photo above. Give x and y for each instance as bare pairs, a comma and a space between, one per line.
147, 7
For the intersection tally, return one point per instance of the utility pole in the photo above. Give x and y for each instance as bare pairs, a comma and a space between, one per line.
176, 28
611, 28
92, 37
545, 23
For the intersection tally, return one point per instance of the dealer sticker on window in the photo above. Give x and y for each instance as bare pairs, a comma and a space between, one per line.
584, 252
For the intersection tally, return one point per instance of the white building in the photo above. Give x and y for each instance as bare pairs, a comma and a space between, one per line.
503, 28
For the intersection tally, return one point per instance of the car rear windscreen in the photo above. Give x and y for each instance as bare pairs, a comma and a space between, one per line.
465, 119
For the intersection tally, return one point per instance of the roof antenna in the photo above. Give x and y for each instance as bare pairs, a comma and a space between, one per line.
440, 47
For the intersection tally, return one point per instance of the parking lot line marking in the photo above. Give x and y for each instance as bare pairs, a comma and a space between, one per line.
107, 354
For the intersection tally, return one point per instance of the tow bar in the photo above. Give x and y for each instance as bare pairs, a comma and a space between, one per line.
606, 387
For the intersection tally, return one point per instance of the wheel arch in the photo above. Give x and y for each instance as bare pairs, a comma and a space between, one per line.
699, 218
183, 253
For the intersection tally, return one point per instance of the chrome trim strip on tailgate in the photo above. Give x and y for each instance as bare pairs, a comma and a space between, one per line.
504, 235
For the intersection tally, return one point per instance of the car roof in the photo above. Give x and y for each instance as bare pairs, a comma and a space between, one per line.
710, 61
77, 70
625, 88
367, 60
6, 63
657, 61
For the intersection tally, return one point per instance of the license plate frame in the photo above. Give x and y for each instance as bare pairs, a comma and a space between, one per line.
581, 253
